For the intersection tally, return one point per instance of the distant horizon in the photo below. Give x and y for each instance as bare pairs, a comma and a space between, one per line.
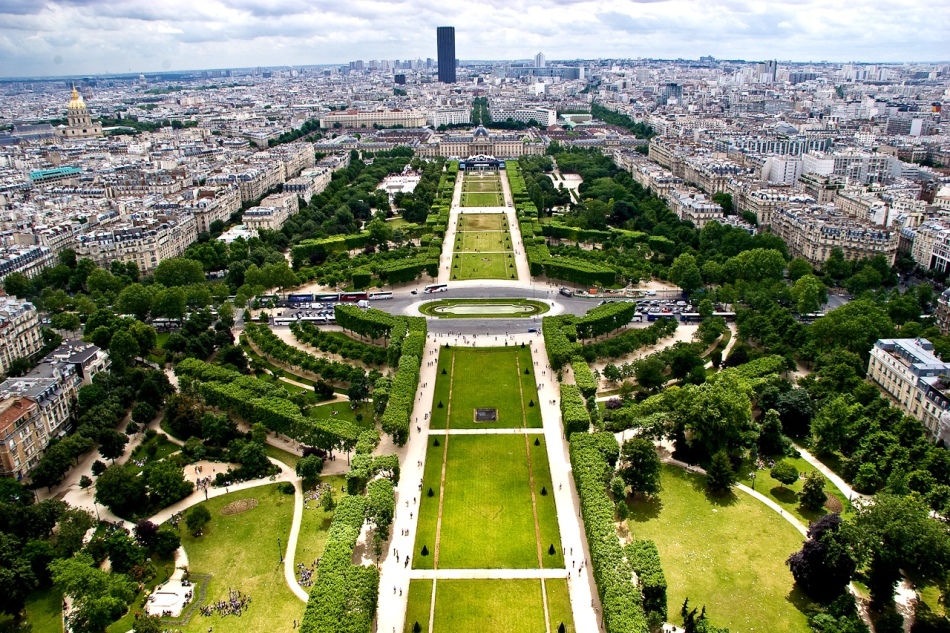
68, 38
462, 62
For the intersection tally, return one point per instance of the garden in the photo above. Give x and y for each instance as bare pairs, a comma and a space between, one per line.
484, 308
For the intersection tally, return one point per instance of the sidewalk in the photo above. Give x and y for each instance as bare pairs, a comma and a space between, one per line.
832, 476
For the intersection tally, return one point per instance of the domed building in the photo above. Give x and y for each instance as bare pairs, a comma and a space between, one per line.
80, 124
482, 142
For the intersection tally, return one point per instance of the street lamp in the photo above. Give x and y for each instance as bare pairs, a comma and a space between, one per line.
280, 550
752, 477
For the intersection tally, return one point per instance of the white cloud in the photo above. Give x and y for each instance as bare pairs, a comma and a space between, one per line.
97, 36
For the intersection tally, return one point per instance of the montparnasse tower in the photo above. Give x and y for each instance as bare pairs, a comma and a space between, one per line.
81, 124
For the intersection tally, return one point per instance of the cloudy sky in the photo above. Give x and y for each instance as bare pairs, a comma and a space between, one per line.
59, 37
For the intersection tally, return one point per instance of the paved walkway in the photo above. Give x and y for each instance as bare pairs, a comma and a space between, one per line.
487, 574
839, 483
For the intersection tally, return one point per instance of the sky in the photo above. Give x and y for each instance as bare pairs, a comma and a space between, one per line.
66, 37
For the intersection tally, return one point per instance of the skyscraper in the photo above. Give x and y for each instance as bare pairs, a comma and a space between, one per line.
539, 60
446, 46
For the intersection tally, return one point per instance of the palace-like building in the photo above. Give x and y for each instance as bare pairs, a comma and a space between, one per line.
81, 124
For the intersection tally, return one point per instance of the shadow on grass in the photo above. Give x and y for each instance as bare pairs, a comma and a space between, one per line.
797, 598
784, 495
643, 509
698, 482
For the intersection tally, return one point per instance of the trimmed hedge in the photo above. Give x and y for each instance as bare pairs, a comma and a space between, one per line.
307, 250
560, 349
644, 558
605, 318
273, 347
574, 413
568, 269
344, 596
584, 377
337, 343
258, 401
372, 323
621, 601
630, 341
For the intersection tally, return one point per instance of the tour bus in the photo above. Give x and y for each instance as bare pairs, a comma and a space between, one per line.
315, 318
300, 298
284, 320
166, 324
810, 317
728, 316
331, 296
353, 296
380, 295
435, 288
690, 317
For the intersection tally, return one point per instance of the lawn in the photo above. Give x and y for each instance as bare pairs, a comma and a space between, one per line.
314, 525
164, 448
726, 553
478, 184
44, 611
482, 222
281, 455
344, 412
240, 551
487, 513
484, 266
787, 496
482, 200
482, 241
484, 308
511, 392
499, 606
420, 600
559, 604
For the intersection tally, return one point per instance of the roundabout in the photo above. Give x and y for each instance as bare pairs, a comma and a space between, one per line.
484, 308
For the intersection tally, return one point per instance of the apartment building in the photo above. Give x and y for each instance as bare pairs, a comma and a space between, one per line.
693, 206
450, 116
146, 245
19, 331
272, 213
28, 260
813, 232
909, 373
379, 118
46, 396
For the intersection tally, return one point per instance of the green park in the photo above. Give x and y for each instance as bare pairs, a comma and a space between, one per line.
482, 248
484, 308
482, 190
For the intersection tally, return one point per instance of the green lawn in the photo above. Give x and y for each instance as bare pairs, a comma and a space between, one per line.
44, 611
484, 308
487, 513
426, 527
315, 524
482, 241
344, 412
484, 266
727, 553
474, 369
281, 455
499, 606
482, 182
559, 604
482, 222
164, 448
482, 200
240, 551
787, 496
420, 600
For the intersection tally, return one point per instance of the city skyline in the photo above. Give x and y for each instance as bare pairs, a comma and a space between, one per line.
74, 37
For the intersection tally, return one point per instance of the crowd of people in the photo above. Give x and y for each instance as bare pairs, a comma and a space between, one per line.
316, 496
236, 604
306, 573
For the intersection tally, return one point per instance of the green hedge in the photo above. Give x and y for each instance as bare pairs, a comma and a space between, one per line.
605, 318
630, 341
584, 377
569, 269
621, 602
273, 347
307, 249
372, 323
644, 558
574, 413
560, 349
344, 596
337, 343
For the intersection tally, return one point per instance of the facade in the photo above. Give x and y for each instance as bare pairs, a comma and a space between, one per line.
369, 118
480, 142
445, 36
542, 116
942, 312
813, 232
81, 124
918, 381
19, 331
28, 260
146, 246
21, 436
696, 208
272, 213
450, 116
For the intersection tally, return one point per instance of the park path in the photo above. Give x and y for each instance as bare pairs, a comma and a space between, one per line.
832, 476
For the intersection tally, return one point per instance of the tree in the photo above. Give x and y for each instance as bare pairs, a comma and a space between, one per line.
85, 482
196, 519
719, 475
143, 413
145, 533
120, 489
649, 372
640, 466
68, 321
795, 411
310, 467
112, 444
166, 483
809, 294
379, 232
854, 327
178, 271
17, 578
784, 472
169, 303
135, 299
685, 273
824, 566
798, 268
17, 284
813, 495
99, 597
166, 541
145, 623
123, 348
771, 440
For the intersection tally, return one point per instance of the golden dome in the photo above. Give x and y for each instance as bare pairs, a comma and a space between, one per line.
76, 101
